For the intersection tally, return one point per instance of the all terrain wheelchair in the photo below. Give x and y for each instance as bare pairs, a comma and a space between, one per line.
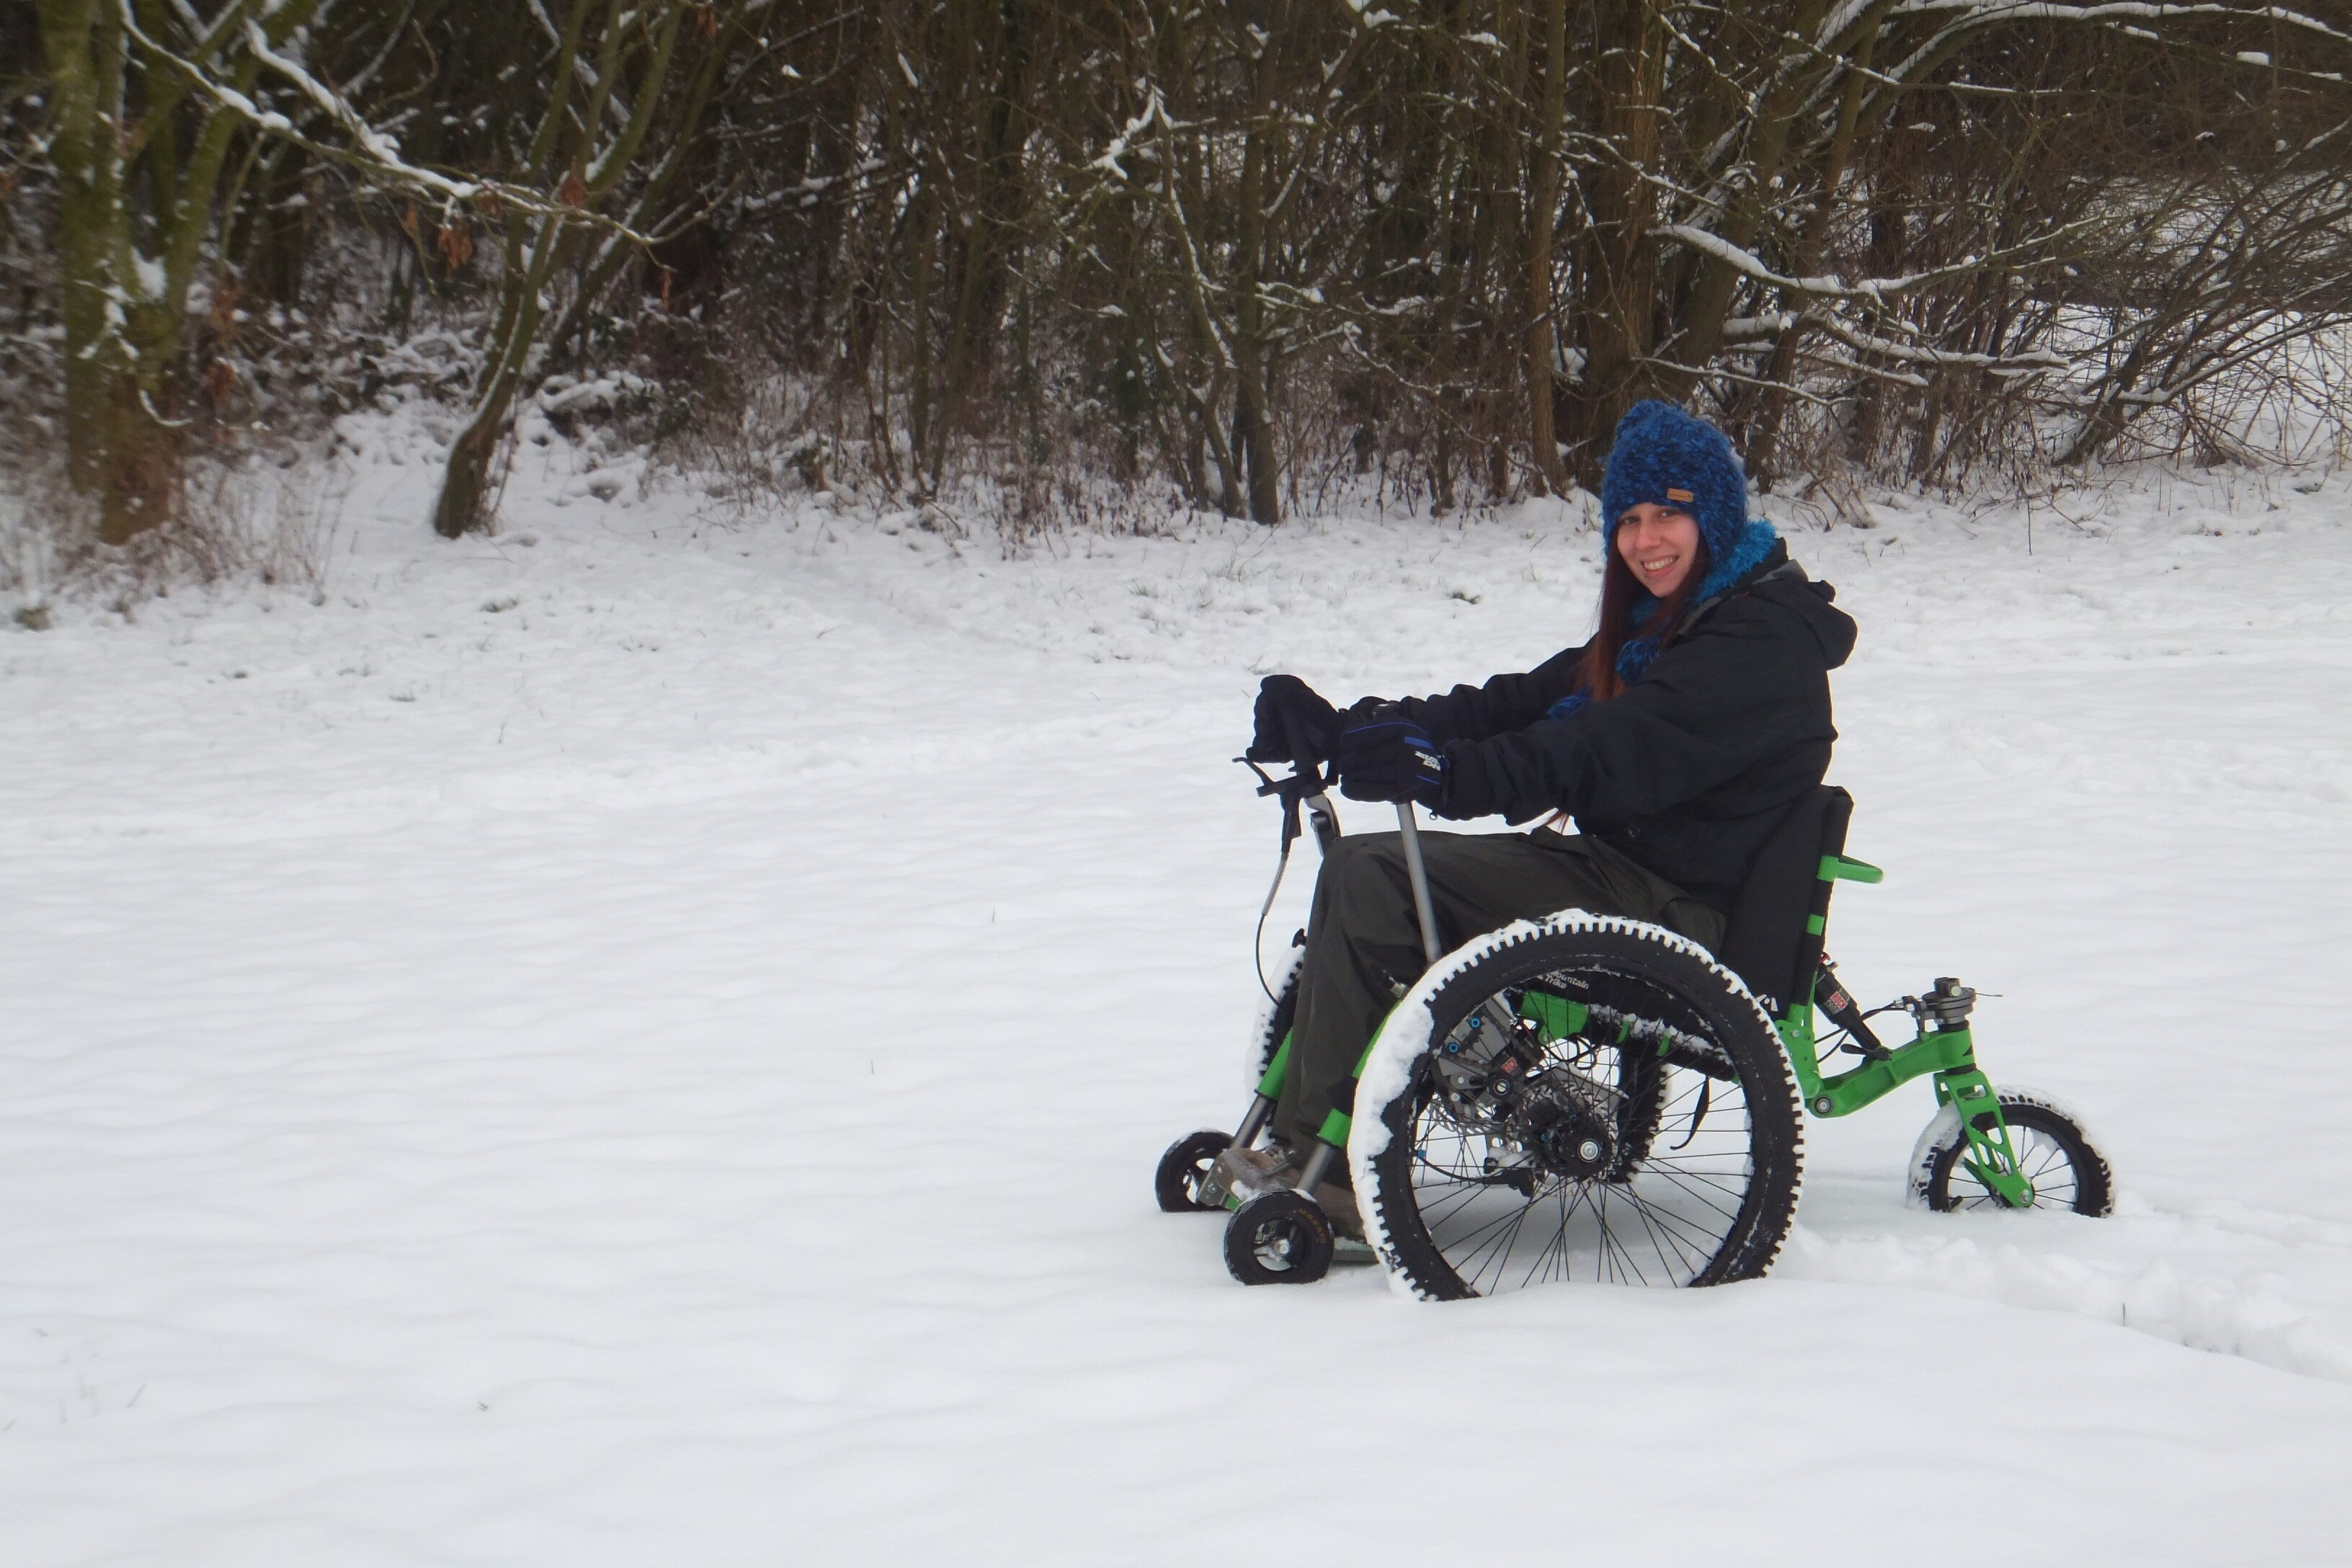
1585, 1096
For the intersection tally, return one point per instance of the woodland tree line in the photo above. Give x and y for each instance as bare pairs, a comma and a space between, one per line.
1248, 249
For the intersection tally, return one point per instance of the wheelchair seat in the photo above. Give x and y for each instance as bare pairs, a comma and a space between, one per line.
1772, 936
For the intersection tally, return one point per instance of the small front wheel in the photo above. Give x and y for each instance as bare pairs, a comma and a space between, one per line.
1177, 1182
1279, 1237
2054, 1153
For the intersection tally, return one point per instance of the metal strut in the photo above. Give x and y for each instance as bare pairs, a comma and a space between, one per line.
1417, 872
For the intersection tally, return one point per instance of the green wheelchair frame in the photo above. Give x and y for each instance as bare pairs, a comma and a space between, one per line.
1195, 1173
1944, 1047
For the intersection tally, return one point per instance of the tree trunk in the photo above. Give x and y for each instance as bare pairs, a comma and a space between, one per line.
84, 47
1253, 368
636, 50
1543, 217
139, 488
135, 208
461, 507
1620, 308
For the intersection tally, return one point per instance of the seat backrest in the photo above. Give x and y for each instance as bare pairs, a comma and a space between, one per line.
1771, 940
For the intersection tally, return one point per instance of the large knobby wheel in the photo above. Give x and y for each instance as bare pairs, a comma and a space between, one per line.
2052, 1151
1658, 1144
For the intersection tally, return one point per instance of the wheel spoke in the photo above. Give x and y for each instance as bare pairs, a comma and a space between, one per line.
1662, 1235
1601, 1204
1684, 1182
1555, 1244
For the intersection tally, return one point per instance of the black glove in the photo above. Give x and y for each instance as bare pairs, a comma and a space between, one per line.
1390, 758
1286, 696
1470, 786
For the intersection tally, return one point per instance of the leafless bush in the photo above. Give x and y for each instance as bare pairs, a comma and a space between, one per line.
42, 522
781, 442
275, 527
253, 523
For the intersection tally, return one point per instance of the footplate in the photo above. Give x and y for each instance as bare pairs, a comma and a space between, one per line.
1238, 1176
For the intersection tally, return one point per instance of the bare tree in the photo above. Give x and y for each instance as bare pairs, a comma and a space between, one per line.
613, 73
147, 102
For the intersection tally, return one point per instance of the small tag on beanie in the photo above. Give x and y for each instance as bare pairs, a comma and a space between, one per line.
1674, 494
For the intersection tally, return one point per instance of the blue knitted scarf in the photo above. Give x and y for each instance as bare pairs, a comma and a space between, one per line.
1756, 541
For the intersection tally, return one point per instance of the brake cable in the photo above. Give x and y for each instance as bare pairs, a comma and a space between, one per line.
1305, 781
1269, 784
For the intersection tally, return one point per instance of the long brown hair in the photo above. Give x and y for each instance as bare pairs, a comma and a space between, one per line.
1596, 675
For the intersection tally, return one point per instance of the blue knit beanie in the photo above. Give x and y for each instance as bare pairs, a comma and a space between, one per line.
1666, 456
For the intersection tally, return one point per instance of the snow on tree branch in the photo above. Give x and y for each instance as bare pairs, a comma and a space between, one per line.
1828, 287
1990, 11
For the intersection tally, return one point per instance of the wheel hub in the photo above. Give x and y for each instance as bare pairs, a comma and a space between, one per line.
1276, 1244
1569, 1140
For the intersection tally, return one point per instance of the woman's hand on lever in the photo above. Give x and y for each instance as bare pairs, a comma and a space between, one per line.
1285, 703
1387, 756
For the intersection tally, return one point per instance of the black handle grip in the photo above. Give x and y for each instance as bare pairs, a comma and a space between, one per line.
1302, 755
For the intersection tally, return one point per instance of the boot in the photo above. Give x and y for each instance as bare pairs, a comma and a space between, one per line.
1245, 1173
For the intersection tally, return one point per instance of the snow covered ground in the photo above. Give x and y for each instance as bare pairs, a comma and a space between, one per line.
643, 1041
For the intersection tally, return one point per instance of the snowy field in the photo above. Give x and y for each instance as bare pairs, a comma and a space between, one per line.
643, 1041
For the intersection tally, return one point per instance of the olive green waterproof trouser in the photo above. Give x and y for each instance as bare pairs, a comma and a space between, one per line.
1363, 938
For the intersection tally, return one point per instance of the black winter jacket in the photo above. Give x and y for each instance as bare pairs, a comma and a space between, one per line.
1687, 770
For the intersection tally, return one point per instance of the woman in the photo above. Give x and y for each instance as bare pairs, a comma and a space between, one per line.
1673, 741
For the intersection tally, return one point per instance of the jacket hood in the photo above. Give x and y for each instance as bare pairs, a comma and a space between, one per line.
1780, 581
1787, 587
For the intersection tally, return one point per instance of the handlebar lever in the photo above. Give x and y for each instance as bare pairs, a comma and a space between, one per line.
1292, 791
1267, 783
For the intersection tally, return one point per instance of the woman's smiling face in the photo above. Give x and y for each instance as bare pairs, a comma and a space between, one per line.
1660, 543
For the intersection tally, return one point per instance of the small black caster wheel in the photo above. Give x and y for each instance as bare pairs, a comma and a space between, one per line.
1278, 1239
1178, 1181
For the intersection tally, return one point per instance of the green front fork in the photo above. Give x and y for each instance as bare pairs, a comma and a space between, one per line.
1949, 1056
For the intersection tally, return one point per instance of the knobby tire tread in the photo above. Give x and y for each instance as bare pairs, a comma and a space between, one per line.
1707, 991
2093, 1180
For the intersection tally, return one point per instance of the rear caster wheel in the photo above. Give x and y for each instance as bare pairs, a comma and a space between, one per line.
1177, 1182
2054, 1153
1278, 1239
